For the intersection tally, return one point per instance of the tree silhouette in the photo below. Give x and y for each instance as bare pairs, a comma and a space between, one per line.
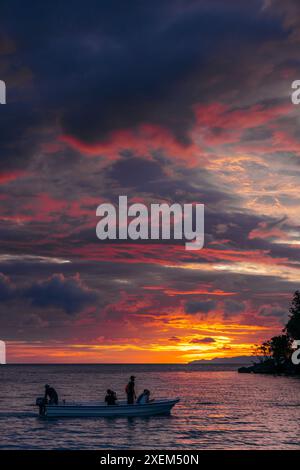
263, 351
293, 325
281, 348
278, 349
275, 354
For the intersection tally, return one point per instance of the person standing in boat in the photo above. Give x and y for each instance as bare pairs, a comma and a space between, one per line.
52, 394
130, 391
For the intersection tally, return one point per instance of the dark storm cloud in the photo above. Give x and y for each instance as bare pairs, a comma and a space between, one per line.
256, 133
6, 288
101, 66
153, 53
22, 119
135, 171
17, 141
202, 306
273, 311
163, 179
232, 307
68, 294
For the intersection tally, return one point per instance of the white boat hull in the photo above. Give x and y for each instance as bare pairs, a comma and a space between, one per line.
79, 410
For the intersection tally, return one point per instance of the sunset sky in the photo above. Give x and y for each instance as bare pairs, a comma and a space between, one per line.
162, 101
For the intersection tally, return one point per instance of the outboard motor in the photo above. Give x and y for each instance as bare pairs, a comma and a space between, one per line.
41, 403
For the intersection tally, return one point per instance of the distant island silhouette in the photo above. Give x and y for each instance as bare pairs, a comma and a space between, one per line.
225, 360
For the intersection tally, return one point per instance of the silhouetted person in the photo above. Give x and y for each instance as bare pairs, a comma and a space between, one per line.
144, 397
52, 394
130, 391
111, 397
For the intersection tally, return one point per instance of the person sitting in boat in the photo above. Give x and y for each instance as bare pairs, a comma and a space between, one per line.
130, 391
144, 397
52, 394
111, 397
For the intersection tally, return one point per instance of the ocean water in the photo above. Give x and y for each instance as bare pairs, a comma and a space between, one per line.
219, 408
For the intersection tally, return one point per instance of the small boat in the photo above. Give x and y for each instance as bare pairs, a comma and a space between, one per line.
78, 410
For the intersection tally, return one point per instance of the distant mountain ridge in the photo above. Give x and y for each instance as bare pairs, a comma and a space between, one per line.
226, 360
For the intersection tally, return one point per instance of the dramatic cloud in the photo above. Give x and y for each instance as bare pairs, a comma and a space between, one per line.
6, 288
203, 306
232, 307
71, 294
135, 172
168, 101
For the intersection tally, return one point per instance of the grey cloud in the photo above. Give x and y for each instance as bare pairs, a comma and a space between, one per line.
202, 306
69, 294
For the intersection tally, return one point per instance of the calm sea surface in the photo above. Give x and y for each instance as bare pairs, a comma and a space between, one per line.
219, 408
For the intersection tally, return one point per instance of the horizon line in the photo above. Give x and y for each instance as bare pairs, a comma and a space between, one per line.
205, 362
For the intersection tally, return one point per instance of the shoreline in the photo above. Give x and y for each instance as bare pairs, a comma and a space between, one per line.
270, 368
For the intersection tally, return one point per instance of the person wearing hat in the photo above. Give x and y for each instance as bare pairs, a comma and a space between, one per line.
130, 391
52, 394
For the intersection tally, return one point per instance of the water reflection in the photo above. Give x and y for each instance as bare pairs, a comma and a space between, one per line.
218, 409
